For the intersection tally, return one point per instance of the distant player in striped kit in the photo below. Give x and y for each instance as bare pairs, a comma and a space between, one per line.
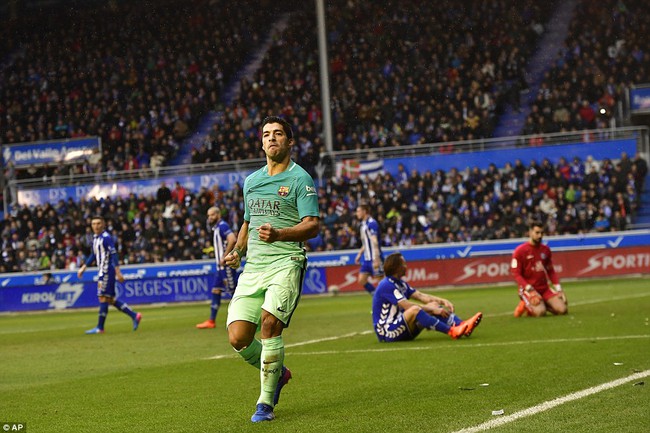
105, 254
370, 256
532, 267
225, 278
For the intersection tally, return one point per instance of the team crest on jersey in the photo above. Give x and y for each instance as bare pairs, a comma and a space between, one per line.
283, 191
543, 256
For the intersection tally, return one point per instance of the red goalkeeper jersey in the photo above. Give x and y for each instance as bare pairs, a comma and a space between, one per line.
533, 265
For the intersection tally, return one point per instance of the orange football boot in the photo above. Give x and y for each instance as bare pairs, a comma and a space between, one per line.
472, 323
455, 332
208, 324
521, 309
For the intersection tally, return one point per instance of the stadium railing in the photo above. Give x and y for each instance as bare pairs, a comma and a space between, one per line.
329, 160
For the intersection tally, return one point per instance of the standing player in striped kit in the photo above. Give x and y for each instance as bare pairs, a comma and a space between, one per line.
225, 278
370, 256
109, 270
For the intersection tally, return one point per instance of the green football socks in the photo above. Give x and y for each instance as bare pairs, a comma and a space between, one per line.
272, 360
252, 353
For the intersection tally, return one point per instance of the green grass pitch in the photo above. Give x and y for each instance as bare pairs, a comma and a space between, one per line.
170, 377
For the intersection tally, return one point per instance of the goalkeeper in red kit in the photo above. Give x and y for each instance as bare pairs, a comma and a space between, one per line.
532, 268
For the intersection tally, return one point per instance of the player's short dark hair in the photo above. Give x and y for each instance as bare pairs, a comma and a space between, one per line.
535, 223
285, 125
391, 263
365, 207
97, 217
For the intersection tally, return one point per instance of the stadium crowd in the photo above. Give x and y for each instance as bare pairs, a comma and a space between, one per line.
412, 74
412, 208
417, 73
604, 54
139, 75
400, 75
420, 74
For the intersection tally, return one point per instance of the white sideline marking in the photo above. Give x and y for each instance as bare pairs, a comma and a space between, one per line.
505, 343
550, 404
417, 348
320, 340
304, 343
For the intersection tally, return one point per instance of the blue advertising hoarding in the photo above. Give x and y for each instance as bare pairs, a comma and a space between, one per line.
50, 152
191, 281
599, 150
84, 294
639, 99
633, 238
141, 187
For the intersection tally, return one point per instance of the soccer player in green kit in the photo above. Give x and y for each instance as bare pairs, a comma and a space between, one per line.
281, 212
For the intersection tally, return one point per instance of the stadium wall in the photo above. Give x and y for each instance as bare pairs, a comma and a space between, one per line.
430, 266
599, 150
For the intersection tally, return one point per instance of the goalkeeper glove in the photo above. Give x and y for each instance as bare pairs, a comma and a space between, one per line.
531, 295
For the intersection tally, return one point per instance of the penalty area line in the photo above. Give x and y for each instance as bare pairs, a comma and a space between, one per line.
550, 404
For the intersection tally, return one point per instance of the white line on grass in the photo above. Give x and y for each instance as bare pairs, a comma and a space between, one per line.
304, 343
550, 404
505, 343
398, 348
320, 340
353, 334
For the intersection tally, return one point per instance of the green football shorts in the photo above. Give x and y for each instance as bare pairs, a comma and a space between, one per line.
276, 291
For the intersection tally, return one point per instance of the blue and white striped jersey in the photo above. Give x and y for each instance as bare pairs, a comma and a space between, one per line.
369, 227
220, 234
385, 309
105, 254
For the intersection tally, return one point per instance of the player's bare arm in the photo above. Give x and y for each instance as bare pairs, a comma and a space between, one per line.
430, 299
357, 259
231, 241
405, 304
448, 306
433, 304
306, 229
375, 245
118, 274
376, 261
233, 259
81, 271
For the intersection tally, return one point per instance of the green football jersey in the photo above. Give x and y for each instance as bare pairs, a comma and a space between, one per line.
283, 201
